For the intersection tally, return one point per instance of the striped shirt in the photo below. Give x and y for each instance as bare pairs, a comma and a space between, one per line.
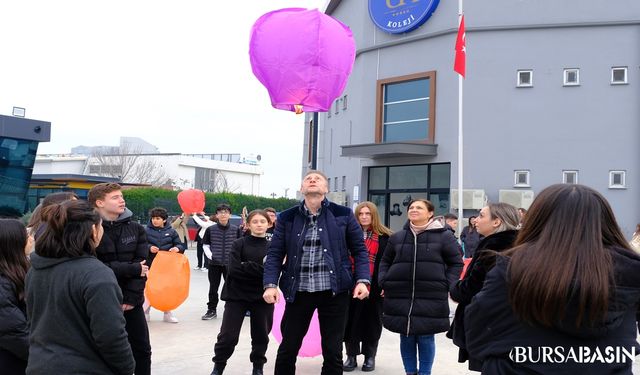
314, 273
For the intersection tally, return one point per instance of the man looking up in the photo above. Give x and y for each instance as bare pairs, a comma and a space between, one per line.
317, 237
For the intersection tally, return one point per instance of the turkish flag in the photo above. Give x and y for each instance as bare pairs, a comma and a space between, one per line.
459, 64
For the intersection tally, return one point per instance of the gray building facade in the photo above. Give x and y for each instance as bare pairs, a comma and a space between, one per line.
550, 96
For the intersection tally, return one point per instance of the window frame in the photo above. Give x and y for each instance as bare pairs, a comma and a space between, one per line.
431, 76
518, 82
515, 178
623, 185
566, 172
626, 75
565, 73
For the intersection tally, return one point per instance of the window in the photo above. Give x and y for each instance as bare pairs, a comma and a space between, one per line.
570, 177
329, 183
337, 104
344, 183
571, 77
344, 103
406, 108
525, 78
521, 179
619, 75
335, 184
617, 180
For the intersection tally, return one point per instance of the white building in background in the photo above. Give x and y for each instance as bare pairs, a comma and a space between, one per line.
208, 172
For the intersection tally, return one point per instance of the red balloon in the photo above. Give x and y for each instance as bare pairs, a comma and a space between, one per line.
191, 201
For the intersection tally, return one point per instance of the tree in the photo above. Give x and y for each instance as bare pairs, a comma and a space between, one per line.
128, 165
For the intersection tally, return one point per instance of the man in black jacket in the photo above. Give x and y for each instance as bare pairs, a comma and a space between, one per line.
217, 242
124, 249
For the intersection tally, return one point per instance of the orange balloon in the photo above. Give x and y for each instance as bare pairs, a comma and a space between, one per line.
168, 281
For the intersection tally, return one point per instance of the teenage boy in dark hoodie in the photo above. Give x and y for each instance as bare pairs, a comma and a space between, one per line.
124, 249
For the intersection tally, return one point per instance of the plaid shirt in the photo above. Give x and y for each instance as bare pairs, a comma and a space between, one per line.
314, 273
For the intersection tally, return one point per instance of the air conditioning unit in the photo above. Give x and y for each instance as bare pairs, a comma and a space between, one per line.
338, 197
516, 198
471, 199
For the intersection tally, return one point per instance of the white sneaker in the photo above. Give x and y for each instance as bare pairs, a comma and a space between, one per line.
147, 316
204, 269
169, 318
196, 268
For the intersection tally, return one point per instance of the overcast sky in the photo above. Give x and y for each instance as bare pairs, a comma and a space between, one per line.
175, 73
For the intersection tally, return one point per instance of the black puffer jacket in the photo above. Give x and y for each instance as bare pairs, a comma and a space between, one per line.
416, 274
14, 330
219, 238
493, 330
164, 238
122, 248
464, 290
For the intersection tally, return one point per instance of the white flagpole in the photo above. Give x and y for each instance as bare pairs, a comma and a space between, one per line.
460, 139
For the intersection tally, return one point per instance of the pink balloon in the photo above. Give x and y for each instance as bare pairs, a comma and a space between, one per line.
303, 57
311, 345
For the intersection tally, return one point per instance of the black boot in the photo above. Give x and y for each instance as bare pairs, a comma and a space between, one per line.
257, 370
350, 364
218, 369
369, 364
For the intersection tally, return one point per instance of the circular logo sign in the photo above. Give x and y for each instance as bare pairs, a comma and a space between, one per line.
401, 16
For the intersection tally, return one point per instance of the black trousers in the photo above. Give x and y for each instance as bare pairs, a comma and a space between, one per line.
261, 322
363, 326
332, 316
215, 272
136, 327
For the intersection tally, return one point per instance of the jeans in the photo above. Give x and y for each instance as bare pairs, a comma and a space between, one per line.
332, 316
426, 349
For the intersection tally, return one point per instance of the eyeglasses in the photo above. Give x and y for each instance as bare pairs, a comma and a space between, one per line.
223, 213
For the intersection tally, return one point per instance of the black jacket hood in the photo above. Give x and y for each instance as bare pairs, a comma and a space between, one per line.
39, 262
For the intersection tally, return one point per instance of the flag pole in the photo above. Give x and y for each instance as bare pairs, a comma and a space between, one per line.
460, 138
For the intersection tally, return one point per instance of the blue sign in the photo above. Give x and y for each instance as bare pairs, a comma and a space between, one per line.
401, 16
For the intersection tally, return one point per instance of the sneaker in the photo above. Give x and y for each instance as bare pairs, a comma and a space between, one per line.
196, 268
147, 316
204, 269
210, 314
169, 318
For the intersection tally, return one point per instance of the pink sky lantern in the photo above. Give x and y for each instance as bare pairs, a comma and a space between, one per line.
303, 57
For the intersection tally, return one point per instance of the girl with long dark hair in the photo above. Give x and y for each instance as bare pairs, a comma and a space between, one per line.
570, 285
74, 302
14, 330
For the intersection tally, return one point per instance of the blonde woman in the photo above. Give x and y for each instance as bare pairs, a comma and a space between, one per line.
364, 324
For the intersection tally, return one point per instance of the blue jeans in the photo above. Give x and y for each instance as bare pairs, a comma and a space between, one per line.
426, 349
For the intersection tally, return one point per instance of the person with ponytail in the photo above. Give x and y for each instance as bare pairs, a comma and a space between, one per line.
564, 299
73, 299
497, 222
14, 330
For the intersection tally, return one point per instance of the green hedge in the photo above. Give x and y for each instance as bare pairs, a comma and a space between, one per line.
141, 200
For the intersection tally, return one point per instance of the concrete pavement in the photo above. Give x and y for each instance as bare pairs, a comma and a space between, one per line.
187, 347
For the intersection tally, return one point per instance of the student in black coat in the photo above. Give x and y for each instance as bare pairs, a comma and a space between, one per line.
14, 330
570, 286
364, 324
74, 302
418, 266
242, 292
161, 237
498, 222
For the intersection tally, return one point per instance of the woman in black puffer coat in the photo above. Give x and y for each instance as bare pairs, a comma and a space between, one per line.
498, 222
14, 330
419, 265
